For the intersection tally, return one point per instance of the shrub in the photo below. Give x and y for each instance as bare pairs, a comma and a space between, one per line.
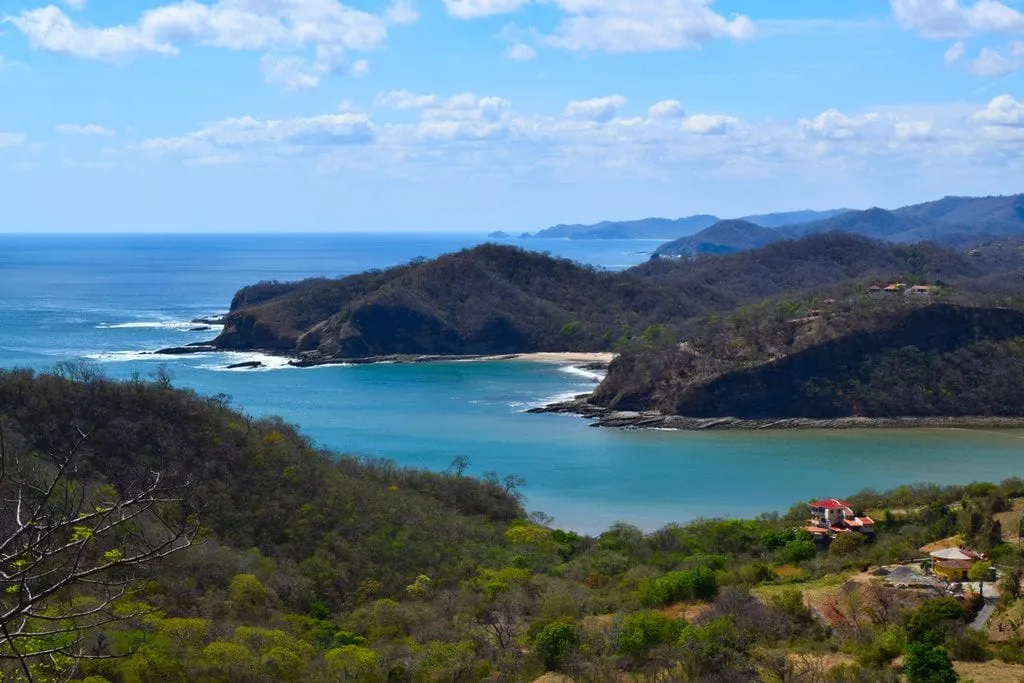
928, 664
556, 642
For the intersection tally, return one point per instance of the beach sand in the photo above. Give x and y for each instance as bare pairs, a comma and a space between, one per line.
564, 357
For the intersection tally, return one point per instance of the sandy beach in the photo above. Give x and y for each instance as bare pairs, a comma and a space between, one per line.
563, 357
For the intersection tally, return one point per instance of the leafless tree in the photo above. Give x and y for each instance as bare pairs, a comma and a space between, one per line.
71, 548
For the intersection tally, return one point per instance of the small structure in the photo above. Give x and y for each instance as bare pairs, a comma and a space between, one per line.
952, 570
920, 290
831, 516
952, 564
875, 292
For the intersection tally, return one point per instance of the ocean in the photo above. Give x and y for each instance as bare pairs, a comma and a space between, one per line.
109, 298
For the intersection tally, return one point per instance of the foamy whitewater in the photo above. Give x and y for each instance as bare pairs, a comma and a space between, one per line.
113, 300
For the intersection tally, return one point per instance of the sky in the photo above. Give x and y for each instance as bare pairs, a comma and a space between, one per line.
480, 115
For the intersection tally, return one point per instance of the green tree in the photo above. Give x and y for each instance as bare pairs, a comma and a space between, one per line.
642, 631
928, 664
845, 544
934, 620
557, 641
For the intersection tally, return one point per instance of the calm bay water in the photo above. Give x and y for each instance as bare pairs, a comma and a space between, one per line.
107, 298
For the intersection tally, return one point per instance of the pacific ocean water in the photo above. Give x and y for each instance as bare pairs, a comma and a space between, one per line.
109, 298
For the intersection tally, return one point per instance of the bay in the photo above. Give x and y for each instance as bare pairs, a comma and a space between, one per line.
106, 298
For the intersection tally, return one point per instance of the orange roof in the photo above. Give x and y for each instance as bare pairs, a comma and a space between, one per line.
815, 530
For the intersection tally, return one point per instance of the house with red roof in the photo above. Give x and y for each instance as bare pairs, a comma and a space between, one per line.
831, 516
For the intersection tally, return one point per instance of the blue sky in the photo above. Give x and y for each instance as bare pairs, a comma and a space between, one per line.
479, 115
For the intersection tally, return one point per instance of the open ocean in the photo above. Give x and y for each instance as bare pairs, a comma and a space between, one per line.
107, 298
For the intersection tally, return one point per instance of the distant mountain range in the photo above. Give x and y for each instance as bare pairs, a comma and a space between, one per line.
671, 228
951, 221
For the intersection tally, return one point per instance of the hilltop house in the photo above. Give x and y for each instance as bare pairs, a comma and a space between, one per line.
831, 516
920, 290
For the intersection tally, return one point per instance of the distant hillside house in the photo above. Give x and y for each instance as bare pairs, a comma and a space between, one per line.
952, 564
920, 290
831, 516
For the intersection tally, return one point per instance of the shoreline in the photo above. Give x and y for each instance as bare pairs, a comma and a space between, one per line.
590, 360
606, 417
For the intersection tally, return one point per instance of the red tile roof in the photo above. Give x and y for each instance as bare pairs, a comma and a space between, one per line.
815, 530
830, 504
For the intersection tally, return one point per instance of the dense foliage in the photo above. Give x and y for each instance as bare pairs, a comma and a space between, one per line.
498, 299
317, 567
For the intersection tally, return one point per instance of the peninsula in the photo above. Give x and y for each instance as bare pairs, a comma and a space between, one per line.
830, 329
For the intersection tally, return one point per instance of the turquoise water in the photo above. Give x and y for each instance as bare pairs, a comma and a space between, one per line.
107, 298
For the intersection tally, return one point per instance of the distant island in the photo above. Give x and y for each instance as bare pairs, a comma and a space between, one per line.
499, 235
672, 228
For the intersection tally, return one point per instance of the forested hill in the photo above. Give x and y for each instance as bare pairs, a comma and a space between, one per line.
486, 300
828, 358
499, 299
672, 228
952, 221
311, 566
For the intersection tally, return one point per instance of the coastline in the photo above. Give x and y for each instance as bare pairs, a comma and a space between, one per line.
590, 360
606, 417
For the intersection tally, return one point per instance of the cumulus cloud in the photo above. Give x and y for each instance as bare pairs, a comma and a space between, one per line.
288, 27
709, 124
615, 26
956, 18
89, 129
666, 109
914, 131
1003, 110
49, 29
471, 9
618, 26
520, 52
834, 125
401, 12
235, 134
599, 109
11, 139
403, 99
993, 62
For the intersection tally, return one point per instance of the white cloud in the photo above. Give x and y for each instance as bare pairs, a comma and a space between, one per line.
666, 109
709, 124
471, 9
914, 131
955, 53
599, 109
283, 136
832, 124
291, 28
623, 25
629, 26
992, 62
460, 130
401, 12
1003, 110
49, 29
520, 52
11, 139
403, 99
956, 18
89, 129
291, 73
